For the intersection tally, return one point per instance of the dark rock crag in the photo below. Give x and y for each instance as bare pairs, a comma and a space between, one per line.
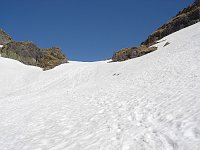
187, 17
4, 37
129, 53
29, 54
52, 57
184, 18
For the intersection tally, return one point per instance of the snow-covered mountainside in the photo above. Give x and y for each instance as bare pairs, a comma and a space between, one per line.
148, 103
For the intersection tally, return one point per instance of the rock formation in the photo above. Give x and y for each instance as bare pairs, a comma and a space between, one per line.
29, 54
129, 53
4, 37
52, 57
184, 18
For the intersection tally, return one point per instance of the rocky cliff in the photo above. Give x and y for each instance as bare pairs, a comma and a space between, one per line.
52, 57
29, 54
184, 18
188, 16
4, 37
129, 53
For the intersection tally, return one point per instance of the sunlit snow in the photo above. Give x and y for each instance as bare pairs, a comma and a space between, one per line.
148, 103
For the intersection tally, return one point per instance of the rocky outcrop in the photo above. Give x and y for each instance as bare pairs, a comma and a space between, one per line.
52, 57
184, 18
4, 37
129, 53
29, 54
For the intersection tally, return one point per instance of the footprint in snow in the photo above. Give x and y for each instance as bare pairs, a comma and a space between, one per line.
116, 74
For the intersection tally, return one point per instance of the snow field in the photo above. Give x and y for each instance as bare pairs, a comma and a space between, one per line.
151, 102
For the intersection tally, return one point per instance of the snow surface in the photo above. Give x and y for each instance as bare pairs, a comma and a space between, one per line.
147, 103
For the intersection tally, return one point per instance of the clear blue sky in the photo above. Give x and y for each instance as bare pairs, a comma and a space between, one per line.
86, 30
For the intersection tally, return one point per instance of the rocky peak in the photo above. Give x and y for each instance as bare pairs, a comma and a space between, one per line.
188, 16
53, 57
29, 54
4, 37
129, 53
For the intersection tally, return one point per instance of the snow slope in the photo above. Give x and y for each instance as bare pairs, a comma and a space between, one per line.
147, 103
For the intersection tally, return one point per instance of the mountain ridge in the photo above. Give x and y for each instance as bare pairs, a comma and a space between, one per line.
4, 37
186, 17
29, 54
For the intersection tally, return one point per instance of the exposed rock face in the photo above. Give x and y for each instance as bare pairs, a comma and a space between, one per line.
4, 37
25, 52
29, 54
129, 53
184, 18
52, 57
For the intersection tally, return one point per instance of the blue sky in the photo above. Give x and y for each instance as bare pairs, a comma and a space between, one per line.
86, 30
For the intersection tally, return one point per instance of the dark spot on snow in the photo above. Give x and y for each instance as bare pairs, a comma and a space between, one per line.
116, 74
166, 44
